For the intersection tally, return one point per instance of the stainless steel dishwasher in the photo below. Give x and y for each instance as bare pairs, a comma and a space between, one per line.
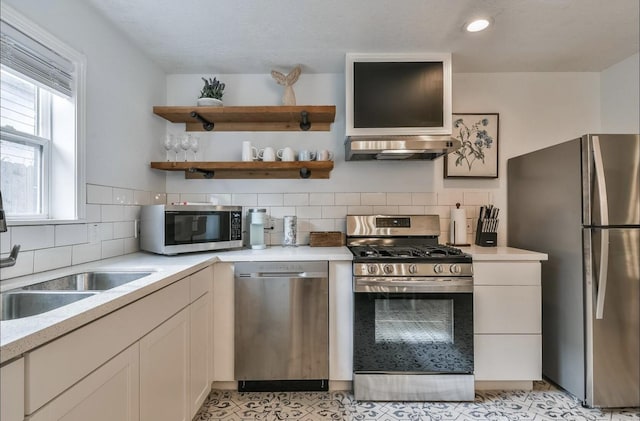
282, 326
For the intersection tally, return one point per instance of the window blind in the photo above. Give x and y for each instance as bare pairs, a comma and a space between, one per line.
31, 58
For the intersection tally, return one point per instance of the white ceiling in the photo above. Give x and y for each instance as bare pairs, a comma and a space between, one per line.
255, 36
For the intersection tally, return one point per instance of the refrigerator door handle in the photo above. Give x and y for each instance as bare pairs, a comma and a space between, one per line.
602, 276
604, 220
602, 185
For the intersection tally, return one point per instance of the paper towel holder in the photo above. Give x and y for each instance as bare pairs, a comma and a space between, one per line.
454, 228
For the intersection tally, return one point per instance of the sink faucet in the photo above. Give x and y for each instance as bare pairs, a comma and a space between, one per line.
13, 256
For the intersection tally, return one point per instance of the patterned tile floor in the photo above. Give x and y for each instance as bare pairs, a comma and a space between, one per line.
545, 402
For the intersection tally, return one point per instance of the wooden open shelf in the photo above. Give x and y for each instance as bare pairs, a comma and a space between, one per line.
255, 170
251, 118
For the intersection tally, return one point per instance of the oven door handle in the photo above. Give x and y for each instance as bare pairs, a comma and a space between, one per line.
431, 285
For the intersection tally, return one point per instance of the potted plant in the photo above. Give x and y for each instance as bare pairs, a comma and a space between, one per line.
211, 93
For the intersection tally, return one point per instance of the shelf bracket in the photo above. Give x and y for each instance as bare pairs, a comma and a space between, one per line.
305, 124
208, 174
305, 172
206, 124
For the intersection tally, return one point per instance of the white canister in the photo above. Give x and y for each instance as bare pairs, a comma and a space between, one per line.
290, 231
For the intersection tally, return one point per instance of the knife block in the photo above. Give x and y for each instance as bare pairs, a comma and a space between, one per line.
484, 238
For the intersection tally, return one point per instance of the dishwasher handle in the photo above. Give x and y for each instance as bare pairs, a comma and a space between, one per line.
262, 275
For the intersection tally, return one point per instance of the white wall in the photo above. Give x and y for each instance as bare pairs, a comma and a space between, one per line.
536, 110
620, 97
122, 87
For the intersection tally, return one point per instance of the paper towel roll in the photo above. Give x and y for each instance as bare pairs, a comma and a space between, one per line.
458, 230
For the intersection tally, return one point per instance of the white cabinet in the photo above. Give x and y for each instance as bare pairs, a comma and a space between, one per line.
12, 391
340, 322
149, 360
164, 371
507, 321
200, 348
223, 321
110, 393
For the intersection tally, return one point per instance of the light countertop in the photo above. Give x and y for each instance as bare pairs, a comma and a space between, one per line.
501, 253
21, 335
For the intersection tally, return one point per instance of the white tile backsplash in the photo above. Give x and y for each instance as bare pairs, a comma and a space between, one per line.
321, 199
123, 196
347, 199
33, 237
309, 212
70, 234
112, 248
23, 266
51, 258
87, 252
295, 199
113, 211
373, 198
398, 199
270, 199
99, 194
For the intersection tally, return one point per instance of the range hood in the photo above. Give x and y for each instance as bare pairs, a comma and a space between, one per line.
428, 147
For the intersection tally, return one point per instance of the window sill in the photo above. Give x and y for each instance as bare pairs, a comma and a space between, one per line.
29, 222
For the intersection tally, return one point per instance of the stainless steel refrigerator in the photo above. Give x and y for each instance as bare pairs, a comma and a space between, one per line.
579, 201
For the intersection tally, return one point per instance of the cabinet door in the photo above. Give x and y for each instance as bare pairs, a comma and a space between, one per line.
508, 357
340, 321
164, 371
200, 325
108, 394
507, 309
223, 321
12, 391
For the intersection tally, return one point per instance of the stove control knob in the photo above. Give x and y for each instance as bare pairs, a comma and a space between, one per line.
388, 269
455, 269
372, 269
413, 269
437, 269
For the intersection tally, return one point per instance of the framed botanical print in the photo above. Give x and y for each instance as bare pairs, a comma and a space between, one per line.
478, 155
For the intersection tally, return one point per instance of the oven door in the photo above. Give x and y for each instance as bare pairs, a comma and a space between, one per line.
413, 326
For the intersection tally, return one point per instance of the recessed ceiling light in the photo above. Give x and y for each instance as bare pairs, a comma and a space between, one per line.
477, 25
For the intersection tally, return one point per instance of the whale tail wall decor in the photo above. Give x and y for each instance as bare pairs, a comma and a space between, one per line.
289, 97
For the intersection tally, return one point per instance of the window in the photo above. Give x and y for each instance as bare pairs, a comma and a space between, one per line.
41, 124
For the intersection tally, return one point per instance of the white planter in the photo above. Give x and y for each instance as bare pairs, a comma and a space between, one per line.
209, 102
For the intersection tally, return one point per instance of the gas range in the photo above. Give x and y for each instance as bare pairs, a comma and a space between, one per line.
413, 311
402, 246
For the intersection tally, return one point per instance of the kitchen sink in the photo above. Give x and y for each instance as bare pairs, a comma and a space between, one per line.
87, 281
16, 304
48, 295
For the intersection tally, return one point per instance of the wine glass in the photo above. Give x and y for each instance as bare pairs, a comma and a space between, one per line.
169, 140
195, 145
185, 144
176, 148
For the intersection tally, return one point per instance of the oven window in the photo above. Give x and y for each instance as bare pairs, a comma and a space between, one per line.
414, 321
413, 332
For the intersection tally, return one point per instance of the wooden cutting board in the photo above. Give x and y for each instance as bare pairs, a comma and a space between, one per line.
326, 239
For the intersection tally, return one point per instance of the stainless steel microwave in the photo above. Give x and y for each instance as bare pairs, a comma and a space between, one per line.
174, 229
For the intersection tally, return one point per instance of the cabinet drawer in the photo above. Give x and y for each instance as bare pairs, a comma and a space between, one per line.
109, 393
200, 283
508, 357
56, 366
12, 391
506, 273
507, 309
